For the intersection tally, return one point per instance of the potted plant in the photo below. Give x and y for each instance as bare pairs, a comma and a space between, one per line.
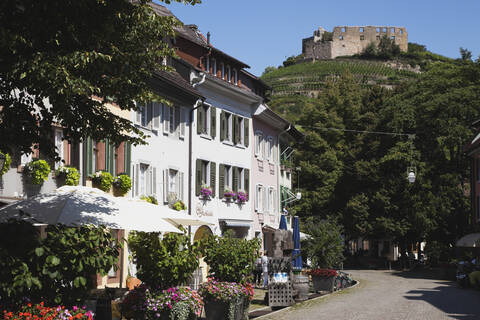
69, 175
323, 279
179, 205
122, 184
226, 300
6, 165
206, 192
40, 311
242, 197
231, 275
102, 180
175, 303
37, 171
229, 195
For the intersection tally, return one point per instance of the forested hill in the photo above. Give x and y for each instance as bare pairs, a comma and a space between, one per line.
359, 178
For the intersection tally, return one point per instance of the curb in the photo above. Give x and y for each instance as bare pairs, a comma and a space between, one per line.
289, 307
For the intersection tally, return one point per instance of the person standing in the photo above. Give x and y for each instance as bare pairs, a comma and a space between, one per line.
265, 269
257, 273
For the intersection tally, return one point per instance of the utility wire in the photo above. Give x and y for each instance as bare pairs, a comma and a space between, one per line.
409, 135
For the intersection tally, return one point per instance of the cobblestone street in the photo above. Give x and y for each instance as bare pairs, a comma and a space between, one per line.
391, 295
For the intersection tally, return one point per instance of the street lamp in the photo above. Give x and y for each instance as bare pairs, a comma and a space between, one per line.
411, 174
3, 159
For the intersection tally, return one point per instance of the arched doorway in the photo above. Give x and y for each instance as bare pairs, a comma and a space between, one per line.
201, 233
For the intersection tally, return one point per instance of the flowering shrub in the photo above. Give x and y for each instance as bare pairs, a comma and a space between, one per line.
224, 291
229, 194
133, 304
325, 273
149, 199
41, 312
242, 197
122, 183
37, 171
206, 192
102, 180
70, 174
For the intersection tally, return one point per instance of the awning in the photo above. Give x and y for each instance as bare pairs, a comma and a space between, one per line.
268, 228
236, 223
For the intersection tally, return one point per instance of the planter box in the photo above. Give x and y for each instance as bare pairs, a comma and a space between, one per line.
323, 283
236, 309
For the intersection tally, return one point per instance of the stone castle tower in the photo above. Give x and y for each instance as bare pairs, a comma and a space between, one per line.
347, 41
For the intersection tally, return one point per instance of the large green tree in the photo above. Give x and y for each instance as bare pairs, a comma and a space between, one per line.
62, 61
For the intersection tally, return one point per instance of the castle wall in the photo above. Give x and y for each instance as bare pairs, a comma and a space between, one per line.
348, 41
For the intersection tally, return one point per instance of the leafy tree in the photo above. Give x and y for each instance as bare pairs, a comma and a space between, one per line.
324, 247
387, 48
66, 67
465, 54
163, 263
268, 69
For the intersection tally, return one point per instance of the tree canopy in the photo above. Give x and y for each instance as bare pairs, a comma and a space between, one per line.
61, 62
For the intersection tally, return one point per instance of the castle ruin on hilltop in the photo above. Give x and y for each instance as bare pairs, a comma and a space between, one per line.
348, 41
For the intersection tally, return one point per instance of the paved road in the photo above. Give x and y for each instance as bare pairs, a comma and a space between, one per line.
383, 295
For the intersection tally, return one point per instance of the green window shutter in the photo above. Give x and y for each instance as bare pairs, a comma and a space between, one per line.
200, 115
246, 172
213, 122
246, 134
128, 158
223, 125
198, 180
235, 129
107, 155
213, 176
235, 179
88, 156
221, 180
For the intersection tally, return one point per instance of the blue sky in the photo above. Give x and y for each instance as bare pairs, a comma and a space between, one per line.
264, 33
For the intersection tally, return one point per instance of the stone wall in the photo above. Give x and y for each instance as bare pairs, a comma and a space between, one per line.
348, 41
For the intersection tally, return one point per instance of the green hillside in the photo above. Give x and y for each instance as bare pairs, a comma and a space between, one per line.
308, 78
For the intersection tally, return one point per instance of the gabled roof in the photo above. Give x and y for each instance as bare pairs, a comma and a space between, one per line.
191, 33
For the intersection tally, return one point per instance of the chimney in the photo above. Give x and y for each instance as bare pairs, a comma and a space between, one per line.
208, 37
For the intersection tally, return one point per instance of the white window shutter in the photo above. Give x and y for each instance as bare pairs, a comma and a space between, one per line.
275, 201
156, 116
154, 181
165, 185
264, 199
183, 120
257, 195
149, 181
182, 187
150, 115
137, 178
138, 115
166, 118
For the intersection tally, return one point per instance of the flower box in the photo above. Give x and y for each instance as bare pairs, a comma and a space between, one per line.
206, 193
323, 283
242, 197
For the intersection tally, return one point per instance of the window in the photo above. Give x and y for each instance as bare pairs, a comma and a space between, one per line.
344, 29
228, 177
259, 144
222, 71
59, 147
173, 186
207, 65
259, 198
384, 29
361, 29
378, 38
240, 181
206, 120
393, 38
148, 116
205, 176
270, 203
392, 30
226, 129
400, 31
270, 149
340, 37
362, 37
144, 180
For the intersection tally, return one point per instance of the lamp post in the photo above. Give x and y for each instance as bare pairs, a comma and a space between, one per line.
3, 159
411, 174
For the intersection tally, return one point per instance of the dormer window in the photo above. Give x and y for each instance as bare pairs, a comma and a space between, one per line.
222, 71
229, 74
235, 77
207, 65
214, 66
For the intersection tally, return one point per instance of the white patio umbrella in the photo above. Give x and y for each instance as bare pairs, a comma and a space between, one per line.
83, 205
469, 240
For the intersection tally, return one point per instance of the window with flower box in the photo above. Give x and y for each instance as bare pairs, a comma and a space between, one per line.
205, 176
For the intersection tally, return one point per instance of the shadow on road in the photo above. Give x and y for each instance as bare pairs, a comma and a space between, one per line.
456, 302
420, 274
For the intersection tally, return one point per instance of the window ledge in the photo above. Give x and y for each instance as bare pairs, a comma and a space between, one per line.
227, 142
240, 146
205, 136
